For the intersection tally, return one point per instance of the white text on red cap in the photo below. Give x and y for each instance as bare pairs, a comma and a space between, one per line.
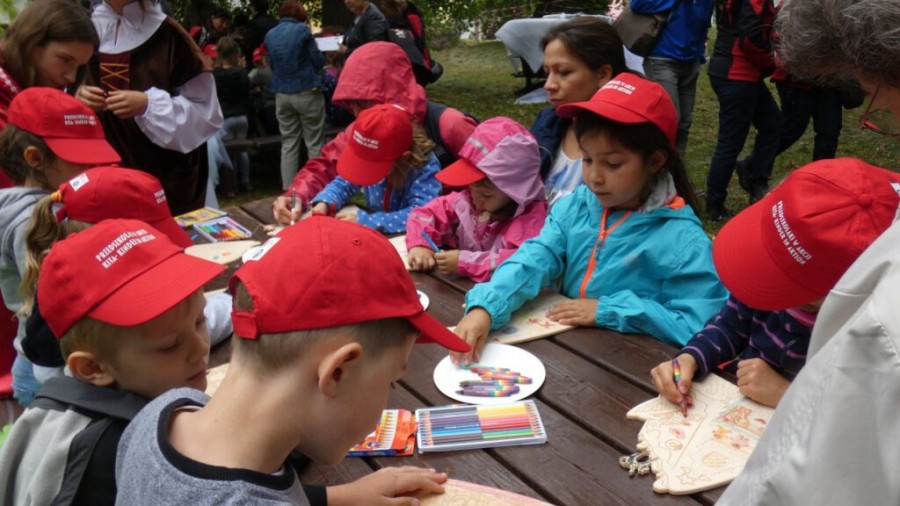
622, 86
122, 245
365, 141
794, 248
79, 119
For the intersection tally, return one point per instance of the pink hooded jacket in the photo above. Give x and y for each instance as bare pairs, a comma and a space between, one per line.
512, 162
379, 72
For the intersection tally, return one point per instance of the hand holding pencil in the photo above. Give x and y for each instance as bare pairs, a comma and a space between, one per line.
673, 379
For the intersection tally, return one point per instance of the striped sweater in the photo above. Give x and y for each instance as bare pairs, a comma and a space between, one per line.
739, 332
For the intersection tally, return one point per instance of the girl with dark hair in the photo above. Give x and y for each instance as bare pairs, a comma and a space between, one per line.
627, 246
580, 56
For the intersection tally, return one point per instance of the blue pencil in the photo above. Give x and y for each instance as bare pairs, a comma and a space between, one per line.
431, 242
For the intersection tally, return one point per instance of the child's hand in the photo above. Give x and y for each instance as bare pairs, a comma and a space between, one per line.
663, 377
126, 103
758, 381
473, 329
421, 259
447, 261
350, 216
319, 208
281, 210
579, 312
385, 485
92, 96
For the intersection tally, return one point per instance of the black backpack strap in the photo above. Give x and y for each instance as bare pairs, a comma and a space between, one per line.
90, 476
433, 112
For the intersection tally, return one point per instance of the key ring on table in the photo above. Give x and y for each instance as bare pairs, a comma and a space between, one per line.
636, 463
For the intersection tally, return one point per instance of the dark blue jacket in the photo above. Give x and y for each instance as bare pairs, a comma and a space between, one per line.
549, 130
294, 56
741, 332
684, 37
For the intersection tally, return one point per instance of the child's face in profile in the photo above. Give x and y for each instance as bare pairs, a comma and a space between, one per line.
169, 351
487, 197
56, 63
364, 399
620, 178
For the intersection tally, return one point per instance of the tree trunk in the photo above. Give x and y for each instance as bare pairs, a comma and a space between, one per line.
335, 13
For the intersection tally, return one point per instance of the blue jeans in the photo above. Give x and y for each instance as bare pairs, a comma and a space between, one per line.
680, 81
742, 103
25, 387
236, 127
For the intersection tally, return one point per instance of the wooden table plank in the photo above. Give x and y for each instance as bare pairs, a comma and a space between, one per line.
261, 210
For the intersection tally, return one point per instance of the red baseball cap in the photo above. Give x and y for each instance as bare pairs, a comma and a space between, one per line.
495, 146
259, 52
349, 274
120, 272
379, 136
793, 246
627, 98
70, 128
102, 193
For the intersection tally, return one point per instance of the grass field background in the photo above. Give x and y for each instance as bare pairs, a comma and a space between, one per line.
478, 79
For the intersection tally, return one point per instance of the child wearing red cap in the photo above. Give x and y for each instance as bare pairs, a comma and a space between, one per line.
313, 362
483, 225
95, 195
391, 160
627, 247
50, 138
831, 211
128, 334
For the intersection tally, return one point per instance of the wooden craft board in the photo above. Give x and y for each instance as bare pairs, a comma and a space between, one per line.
530, 321
708, 448
399, 244
221, 252
462, 493
214, 378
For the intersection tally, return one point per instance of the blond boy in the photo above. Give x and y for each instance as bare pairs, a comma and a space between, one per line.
129, 333
321, 337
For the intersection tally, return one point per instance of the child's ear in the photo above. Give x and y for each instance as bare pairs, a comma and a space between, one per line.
658, 160
85, 366
606, 73
33, 156
334, 366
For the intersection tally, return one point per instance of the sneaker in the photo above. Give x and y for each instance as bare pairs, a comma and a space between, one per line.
718, 212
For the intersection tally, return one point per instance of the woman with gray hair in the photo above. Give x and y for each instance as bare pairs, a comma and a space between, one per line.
835, 437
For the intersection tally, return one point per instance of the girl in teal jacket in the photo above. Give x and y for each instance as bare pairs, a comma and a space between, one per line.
626, 247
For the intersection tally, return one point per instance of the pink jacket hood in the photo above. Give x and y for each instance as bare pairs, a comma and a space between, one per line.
381, 72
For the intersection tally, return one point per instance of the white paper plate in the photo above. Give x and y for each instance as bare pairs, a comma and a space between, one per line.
423, 299
447, 376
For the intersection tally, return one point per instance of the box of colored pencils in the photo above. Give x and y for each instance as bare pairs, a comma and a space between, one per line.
395, 435
464, 427
222, 229
198, 215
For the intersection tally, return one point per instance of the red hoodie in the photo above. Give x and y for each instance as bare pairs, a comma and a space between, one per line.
380, 72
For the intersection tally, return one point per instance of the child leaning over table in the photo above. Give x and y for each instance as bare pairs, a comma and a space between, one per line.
835, 209
313, 362
98, 194
128, 334
391, 158
482, 225
627, 246
50, 138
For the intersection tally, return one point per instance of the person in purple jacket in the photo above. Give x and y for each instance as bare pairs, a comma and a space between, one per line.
484, 224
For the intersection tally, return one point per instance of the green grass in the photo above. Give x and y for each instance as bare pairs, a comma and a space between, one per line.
478, 79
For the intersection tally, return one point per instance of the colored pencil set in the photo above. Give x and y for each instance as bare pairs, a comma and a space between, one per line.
495, 382
464, 427
395, 435
222, 229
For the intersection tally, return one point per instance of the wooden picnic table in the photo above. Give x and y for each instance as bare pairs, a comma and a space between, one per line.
594, 376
